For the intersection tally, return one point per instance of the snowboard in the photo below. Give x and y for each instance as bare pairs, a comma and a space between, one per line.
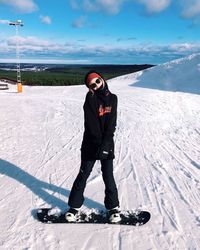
127, 217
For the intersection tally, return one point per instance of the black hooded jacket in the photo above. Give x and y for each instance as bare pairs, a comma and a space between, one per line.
100, 115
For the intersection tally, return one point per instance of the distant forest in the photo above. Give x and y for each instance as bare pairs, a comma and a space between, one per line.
70, 74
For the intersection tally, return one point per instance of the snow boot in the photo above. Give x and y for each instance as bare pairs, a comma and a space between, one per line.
71, 215
114, 215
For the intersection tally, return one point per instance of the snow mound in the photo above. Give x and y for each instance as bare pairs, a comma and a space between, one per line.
182, 75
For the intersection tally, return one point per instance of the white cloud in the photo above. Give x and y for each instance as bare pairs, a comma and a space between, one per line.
45, 61
79, 23
155, 6
190, 8
74, 4
28, 41
4, 21
109, 6
184, 47
23, 6
45, 19
114, 6
35, 46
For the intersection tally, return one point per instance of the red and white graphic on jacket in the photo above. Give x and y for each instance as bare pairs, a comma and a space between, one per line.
103, 111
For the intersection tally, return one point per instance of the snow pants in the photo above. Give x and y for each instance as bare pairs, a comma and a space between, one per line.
76, 197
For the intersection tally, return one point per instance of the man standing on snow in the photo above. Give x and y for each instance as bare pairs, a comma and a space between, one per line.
100, 114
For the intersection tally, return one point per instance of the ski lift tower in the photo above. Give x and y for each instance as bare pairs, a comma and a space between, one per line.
18, 24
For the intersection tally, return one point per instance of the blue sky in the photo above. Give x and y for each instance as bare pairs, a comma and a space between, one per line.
100, 31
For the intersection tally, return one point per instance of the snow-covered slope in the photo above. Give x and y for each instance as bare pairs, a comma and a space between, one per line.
179, 75
157, 165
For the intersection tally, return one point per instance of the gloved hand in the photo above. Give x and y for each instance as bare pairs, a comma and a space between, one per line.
104, 150
103, 155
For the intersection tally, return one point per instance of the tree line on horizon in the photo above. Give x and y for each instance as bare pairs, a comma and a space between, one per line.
70, 75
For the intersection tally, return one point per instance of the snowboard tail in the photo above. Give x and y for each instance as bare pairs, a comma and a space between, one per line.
127, 217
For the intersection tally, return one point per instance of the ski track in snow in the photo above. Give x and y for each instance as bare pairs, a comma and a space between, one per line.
157, 167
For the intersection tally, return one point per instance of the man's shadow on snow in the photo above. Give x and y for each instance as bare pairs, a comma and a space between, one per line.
41, 188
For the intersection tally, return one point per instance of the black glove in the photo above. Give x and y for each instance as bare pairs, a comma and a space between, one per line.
104, 150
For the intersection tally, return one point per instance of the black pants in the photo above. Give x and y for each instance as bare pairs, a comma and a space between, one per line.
76, 197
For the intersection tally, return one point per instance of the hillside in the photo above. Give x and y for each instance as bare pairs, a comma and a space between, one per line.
157, 164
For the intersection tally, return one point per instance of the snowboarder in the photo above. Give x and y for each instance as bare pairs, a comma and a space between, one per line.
100, 114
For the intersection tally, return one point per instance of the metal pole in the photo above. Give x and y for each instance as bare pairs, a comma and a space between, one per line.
18, 56
19, 83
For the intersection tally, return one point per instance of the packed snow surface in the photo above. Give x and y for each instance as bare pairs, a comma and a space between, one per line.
157, 164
